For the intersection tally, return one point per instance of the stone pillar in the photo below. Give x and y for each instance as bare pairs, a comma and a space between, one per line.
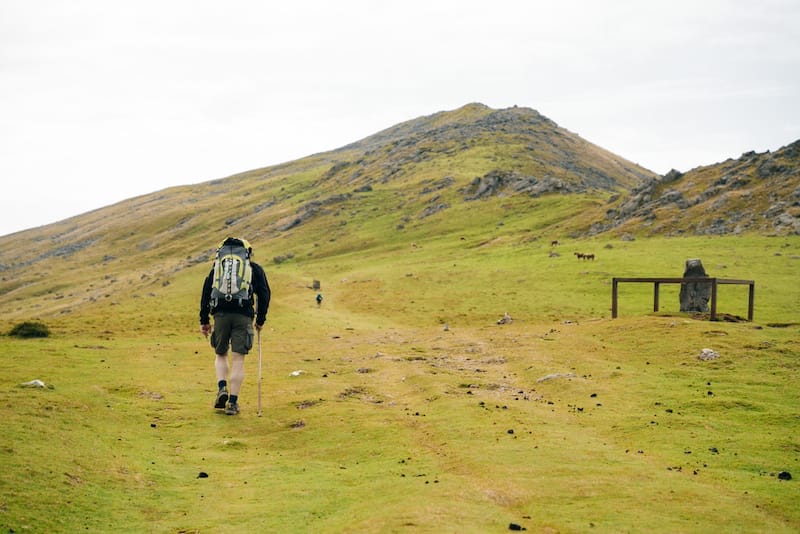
694, 297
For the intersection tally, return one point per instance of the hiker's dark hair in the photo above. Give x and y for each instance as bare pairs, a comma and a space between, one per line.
237, 241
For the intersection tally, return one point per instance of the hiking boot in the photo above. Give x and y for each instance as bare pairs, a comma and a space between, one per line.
232, 409
222, 399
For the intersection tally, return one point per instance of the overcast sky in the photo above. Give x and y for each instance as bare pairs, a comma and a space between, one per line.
103, 100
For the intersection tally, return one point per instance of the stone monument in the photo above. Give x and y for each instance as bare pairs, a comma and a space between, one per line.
694, 296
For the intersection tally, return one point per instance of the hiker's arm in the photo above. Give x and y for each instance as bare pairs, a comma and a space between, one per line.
205, 300
263, 295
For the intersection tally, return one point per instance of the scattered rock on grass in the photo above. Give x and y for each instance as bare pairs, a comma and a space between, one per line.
708, 355
36, 384
554, 376
784, 475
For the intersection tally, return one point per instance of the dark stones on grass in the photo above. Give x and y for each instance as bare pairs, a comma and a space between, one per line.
302, 405
784, 475
353, 391
202, 474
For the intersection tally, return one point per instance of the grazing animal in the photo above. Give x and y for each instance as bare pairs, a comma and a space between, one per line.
554, 243
582, 256
579, 255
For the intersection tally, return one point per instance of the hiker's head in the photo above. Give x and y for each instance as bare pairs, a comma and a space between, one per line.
237, 241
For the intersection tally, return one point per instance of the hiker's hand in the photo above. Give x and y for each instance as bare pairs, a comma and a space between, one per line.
205, 329
259, 327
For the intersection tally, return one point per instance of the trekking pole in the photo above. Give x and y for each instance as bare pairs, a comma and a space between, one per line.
259, 373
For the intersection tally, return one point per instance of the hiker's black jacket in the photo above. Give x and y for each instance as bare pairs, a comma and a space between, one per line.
261, 291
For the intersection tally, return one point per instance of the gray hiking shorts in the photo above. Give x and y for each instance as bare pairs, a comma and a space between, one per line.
232, 330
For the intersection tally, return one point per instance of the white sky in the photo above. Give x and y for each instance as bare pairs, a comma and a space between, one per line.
104, 100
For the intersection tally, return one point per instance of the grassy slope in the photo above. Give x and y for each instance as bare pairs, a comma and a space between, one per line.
396, 423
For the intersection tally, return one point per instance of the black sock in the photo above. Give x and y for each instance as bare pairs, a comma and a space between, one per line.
222, 383
233, 398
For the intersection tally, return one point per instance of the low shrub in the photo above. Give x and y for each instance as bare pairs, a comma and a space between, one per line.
30, 329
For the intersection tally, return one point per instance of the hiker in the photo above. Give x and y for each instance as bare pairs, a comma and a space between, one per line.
506, 319
235, 292
319, 300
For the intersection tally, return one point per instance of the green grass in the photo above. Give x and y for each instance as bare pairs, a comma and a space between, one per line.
397, 424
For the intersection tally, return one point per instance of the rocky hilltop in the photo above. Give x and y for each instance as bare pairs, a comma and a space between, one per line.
522, 151
758, 192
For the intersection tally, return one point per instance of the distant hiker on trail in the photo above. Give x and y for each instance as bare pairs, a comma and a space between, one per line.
319, 300
506, 319
235, 292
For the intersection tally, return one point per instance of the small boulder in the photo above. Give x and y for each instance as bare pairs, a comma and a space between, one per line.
33, 384
708, 355
555, 376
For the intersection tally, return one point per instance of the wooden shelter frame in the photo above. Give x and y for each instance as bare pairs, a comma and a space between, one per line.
695, 280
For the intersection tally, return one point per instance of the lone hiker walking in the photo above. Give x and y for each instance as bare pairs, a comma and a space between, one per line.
235, 292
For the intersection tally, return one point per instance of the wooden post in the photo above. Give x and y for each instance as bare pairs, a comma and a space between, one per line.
613, 298
713, 299
656, 286
750, 300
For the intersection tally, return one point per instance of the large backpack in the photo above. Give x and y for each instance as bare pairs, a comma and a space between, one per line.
232, 272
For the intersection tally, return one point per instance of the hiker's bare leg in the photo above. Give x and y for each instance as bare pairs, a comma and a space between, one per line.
221, 365
237, 372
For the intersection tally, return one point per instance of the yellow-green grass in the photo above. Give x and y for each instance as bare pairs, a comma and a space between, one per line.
396, 423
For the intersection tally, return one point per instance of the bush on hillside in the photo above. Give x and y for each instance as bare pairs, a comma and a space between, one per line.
30, 329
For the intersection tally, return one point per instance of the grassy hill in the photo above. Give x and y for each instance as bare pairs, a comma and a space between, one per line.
400, 404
